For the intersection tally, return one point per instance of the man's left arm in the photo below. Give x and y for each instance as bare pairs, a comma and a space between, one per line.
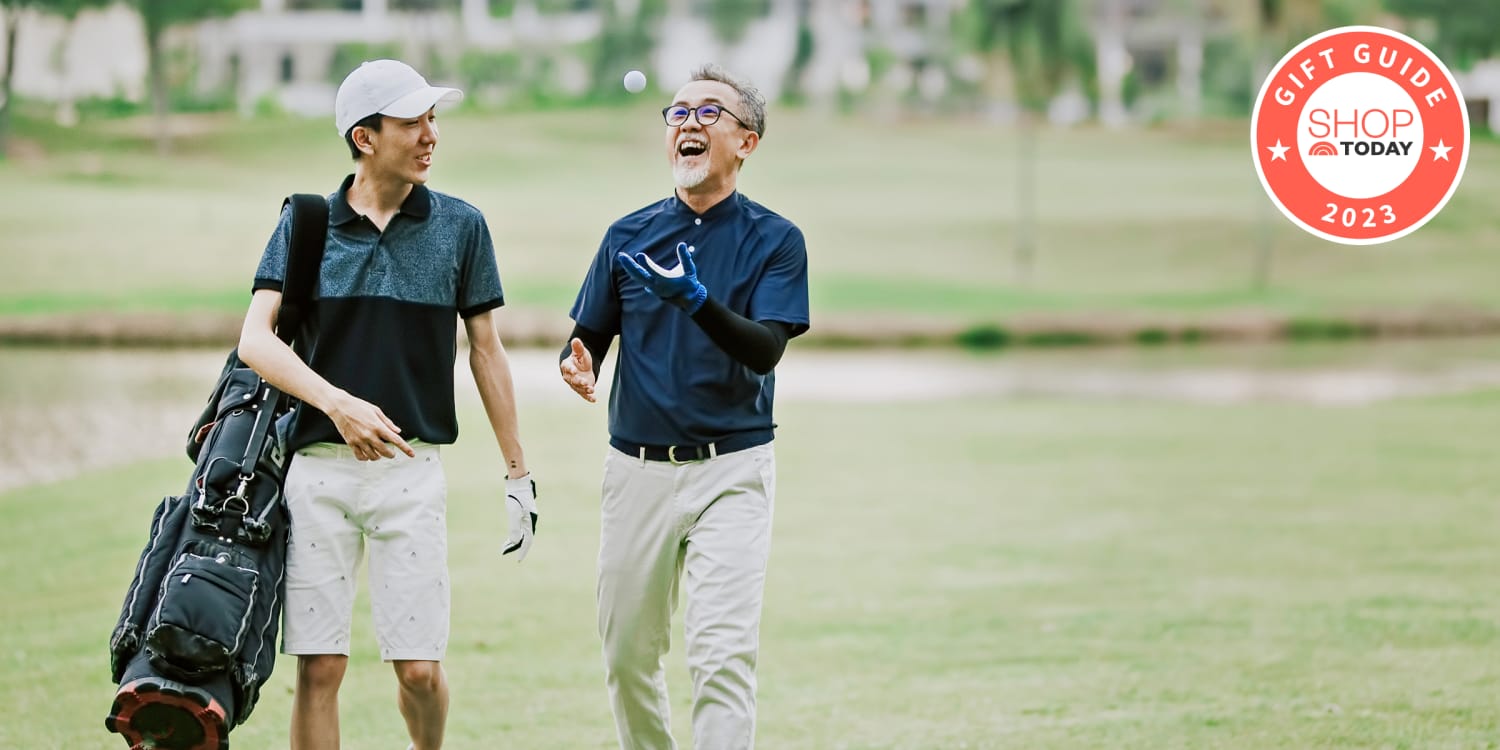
775, 313
491, 367
777, 310
757, 345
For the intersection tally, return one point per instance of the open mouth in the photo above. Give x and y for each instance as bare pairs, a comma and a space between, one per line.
690, 147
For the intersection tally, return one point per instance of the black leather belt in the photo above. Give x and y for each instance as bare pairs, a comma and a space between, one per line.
682, 454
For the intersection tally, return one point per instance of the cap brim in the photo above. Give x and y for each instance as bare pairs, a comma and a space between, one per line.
418, 102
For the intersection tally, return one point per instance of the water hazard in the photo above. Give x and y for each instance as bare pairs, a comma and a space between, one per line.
65, 411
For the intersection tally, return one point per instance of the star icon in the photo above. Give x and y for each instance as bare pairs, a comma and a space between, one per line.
1278, 151
1440, 151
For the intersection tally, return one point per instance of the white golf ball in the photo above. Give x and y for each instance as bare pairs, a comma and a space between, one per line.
635, 81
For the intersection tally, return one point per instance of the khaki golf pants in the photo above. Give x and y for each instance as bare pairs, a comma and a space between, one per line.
707, 524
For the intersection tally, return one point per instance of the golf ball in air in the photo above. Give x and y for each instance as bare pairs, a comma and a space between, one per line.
635, 81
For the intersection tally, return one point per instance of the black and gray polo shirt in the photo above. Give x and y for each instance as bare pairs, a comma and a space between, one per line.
384, 325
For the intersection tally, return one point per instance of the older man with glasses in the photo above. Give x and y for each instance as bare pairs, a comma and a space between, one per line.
704, 289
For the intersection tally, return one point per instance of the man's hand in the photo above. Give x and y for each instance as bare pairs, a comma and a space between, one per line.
678, 286
366, 429
578, 371
520, 506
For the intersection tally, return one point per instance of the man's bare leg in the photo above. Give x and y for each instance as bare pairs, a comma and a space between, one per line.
423, 698
315, 706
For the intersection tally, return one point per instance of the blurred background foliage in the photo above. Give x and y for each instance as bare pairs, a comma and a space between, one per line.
1062, 60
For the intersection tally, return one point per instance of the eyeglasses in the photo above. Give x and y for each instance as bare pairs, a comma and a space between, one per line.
706, 114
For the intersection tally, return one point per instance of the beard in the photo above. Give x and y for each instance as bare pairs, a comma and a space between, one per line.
687, 177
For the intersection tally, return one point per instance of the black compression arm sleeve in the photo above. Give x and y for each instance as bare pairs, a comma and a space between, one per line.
757, 345
595, 342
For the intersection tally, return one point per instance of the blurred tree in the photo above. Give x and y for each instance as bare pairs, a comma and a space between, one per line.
791, 83
730, 19
12, 10
1277, 22
1043, 43
1194, 19
1467, 31
624, 44
1279, 25
1269, 29
157, 16
424, 6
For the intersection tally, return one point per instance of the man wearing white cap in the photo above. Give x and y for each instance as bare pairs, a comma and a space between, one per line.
401, 264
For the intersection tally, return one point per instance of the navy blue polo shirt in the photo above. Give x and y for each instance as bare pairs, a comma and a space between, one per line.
384, 324
673, 385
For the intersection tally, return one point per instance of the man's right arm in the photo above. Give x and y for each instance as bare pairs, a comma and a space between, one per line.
363, 426
599, 303
580, 359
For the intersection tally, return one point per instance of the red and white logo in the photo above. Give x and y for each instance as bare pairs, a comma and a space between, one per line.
1360, 135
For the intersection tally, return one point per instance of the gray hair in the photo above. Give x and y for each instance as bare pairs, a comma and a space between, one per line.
750, 97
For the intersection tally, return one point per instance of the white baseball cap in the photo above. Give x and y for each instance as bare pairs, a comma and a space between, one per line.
387, 87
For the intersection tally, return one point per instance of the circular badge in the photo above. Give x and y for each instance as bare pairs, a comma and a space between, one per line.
1360, 135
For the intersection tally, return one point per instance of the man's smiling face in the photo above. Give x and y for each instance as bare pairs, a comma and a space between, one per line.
707, 155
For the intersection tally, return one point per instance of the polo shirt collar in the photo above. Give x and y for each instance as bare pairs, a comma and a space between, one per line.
721, 210
418, 204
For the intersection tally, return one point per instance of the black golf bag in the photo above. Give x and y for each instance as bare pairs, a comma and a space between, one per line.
205, 605
196, 638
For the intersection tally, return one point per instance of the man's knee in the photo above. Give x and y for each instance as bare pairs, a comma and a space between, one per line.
419, 676
732, 678
321, 672
723, 657
635, 655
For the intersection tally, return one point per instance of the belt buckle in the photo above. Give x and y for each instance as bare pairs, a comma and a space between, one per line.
672, 456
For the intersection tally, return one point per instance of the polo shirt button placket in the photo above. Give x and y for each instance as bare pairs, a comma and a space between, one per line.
377, 265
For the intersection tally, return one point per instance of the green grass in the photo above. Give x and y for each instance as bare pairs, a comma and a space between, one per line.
913, 217
975, 573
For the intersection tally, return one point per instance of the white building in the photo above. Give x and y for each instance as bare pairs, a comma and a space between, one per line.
101, 53
1481, 91
286, 56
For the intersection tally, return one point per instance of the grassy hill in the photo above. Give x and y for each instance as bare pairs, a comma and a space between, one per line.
908, 222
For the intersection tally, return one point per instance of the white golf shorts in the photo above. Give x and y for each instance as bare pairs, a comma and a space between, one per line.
397, 507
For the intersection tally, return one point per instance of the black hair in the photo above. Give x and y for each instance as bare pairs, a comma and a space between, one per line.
372, 122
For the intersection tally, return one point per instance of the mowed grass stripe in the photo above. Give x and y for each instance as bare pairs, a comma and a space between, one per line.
967, 573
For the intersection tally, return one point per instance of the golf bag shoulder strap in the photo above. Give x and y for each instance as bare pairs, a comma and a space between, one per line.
309, 236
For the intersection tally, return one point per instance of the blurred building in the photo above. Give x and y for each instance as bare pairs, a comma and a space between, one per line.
99, 54
1161, 43
1481, 91
1148, 59
296, 55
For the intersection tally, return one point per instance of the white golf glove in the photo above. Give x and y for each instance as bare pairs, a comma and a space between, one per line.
520, 506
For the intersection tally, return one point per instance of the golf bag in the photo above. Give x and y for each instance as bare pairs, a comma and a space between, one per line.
196, 638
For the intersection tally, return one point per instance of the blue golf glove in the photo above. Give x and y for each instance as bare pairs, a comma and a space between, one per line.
678, 286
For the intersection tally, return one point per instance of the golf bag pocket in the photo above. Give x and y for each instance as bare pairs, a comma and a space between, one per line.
230, 433
203, 617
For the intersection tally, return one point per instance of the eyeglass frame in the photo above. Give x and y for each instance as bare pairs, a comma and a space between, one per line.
693, 113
